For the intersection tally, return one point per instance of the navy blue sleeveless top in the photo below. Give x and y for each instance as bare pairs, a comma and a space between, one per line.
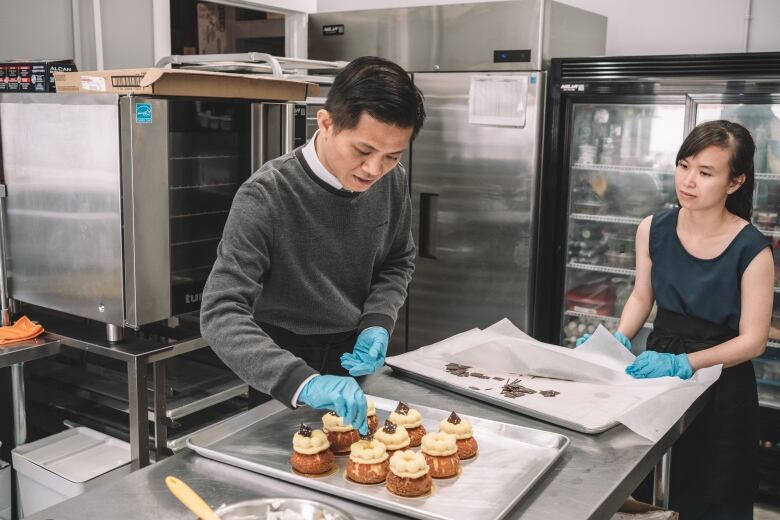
706, 289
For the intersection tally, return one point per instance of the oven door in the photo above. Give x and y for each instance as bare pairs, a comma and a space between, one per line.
183, 161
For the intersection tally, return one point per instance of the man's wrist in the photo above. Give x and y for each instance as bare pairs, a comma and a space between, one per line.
297, 393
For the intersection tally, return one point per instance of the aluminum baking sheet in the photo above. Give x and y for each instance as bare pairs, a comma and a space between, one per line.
515, 405
510, 461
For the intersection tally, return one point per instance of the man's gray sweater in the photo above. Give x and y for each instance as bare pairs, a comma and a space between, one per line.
300, 254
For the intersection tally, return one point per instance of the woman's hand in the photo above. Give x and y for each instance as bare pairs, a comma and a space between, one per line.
655, 364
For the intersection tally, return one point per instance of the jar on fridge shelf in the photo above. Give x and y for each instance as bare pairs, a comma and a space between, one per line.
576, 327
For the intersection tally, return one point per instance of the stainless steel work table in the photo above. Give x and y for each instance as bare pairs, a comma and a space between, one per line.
590, 481
15, 356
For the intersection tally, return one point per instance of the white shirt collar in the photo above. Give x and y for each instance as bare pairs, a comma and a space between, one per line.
310, 154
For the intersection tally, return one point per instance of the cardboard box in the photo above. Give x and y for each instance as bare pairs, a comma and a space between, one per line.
32, 75
184, 82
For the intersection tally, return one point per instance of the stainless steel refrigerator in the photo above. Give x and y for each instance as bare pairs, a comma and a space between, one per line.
474, 167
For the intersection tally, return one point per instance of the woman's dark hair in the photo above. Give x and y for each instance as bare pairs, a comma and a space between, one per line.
379, 88
736, 138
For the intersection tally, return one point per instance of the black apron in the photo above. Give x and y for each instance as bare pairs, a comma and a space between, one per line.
716, 458
322, 352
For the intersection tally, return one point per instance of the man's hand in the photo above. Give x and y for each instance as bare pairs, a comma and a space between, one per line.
368, 354
342, 395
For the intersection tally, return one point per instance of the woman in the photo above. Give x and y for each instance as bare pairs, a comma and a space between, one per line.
711, 273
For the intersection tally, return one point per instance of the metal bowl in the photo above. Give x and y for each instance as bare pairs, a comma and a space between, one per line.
281, 509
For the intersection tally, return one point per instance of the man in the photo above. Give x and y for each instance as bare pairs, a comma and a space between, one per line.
317, 250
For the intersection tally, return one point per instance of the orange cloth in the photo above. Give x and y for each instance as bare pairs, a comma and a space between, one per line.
21, 330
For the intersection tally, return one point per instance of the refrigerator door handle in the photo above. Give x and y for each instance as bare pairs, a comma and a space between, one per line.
429, 216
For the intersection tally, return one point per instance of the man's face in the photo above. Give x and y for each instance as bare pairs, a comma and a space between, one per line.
360, 156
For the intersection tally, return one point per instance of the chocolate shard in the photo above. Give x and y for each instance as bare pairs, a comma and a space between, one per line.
332, 413
549, 393
368, 436
304, 430
474, 388
389, 427
453, 418
402, 409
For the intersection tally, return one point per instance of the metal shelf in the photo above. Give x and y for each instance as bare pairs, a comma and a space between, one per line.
209, 386
202, 157
768, 396
774, 233
773, 344
202, 186
606, 319
601, 268
28, 350
768, 176
615, 219
619, 168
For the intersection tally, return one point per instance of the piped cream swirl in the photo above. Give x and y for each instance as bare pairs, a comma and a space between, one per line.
439, 444
310, 445
368, 452
408, 464
333, 423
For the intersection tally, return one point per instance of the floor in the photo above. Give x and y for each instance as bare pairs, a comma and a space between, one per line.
766, 512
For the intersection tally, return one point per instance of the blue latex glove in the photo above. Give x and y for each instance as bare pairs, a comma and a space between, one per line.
618, 336
655, 364
342, 395
368, 354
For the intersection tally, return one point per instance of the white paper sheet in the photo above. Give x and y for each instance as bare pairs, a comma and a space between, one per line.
595, 391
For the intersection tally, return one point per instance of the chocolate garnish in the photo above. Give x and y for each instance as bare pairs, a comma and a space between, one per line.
332, 413
304, 431
549, 393
514, 389
453, 418
457, 369
389, 427
402, 409
368, 436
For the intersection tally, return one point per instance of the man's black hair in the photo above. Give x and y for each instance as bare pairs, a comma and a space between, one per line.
379, 88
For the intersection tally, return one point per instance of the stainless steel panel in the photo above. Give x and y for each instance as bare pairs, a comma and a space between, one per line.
61, 165
257, 129
487, 488
445, 37
146, 212
484, 182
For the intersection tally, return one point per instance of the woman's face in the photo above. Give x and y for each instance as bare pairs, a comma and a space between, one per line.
702, 181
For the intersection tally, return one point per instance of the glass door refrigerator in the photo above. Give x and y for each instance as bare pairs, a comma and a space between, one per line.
612, 130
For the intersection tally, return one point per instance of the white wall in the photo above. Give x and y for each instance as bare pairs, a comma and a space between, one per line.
33, 29
686, 26
67, 29
652, 27
128, 34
